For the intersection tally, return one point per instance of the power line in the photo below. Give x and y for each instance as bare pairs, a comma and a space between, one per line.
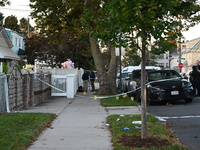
15, 9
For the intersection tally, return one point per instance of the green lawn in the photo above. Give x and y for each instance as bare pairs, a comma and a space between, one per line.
118, 101
18, 130
119, 123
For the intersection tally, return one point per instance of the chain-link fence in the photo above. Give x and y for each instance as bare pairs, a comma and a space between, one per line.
3, 94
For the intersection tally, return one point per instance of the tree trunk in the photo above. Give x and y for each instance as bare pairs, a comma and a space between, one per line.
143, 91
106, 73
106, 70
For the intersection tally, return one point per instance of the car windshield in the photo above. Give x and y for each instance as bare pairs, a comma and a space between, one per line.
123, 74
160, 75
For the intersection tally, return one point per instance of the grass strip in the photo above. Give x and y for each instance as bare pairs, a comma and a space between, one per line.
118, 124
18, 130
118, 101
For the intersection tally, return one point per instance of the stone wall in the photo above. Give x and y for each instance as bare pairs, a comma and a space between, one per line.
26, 91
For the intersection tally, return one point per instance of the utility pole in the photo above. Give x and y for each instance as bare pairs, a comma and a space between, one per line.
179, 41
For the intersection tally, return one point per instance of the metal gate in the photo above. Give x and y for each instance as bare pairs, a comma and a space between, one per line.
59, 83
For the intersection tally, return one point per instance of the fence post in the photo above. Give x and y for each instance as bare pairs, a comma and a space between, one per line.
71, 85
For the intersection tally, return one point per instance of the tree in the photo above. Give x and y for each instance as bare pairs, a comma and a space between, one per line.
11, 22
25, 27
147, 20
39, 47
4, 2
56, 16
1, 18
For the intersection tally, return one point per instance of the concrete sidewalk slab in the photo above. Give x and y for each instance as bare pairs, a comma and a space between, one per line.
54, 105
80, 124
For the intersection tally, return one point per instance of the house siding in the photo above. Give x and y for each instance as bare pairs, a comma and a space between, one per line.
17, 40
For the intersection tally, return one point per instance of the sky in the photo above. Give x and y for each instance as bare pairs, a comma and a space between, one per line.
20, 8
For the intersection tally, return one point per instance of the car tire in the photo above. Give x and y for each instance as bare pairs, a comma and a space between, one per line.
188, 100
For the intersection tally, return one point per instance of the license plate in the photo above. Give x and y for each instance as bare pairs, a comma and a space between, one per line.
174, 92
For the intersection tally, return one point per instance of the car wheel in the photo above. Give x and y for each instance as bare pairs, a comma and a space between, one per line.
188, 100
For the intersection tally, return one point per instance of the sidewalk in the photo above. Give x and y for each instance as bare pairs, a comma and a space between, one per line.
80, 124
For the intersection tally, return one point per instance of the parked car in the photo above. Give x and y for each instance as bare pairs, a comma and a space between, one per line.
123, 76
133, 79
184, 75
164, 85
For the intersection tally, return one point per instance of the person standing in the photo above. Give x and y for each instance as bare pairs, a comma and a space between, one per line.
195, 80
85, 79
92, 79
198, 65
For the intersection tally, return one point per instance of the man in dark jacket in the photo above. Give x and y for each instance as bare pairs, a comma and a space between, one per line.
85, 79
92, 79
195, 79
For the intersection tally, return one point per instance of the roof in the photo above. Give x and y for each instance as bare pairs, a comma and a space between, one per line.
7, 53
5, 46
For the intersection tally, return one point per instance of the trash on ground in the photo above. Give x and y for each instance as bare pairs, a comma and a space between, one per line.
138, 127
126, 128
137, 122
106, 125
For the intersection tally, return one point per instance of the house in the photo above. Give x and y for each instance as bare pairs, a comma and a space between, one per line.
190, 53
6, 52
163, 60
174, 59
17, 41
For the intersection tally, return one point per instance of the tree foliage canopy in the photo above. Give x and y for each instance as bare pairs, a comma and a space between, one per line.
11, 22
4, 2
39, 47
55, 16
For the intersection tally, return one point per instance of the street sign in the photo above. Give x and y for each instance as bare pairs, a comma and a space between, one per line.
180, 65
182, 58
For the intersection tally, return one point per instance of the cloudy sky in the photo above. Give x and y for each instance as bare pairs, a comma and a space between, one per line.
20, 8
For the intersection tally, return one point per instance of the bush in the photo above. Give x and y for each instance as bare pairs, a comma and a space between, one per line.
5, 68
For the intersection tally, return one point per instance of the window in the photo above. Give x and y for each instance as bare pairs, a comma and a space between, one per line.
167, 56
161, 64
161, 56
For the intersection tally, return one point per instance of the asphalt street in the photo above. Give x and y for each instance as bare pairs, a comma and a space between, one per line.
184, 119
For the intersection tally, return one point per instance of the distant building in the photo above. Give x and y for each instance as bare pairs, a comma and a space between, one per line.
190, 53
17, 42
163, 60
